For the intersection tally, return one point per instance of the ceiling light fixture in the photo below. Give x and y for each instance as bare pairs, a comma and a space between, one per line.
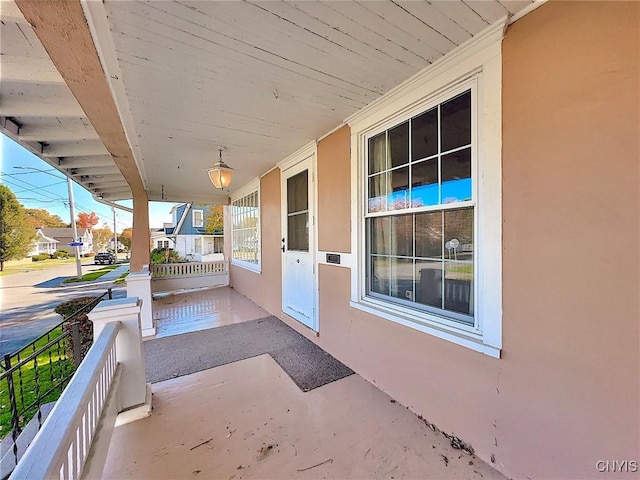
221, 173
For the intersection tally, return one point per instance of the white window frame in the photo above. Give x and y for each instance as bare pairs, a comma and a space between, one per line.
193, 218
478, 64
244, 191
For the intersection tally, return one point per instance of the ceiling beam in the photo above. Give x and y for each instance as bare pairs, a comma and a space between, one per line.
75, 149
50, 133
87, 161
77, 172
18, 106
25, 69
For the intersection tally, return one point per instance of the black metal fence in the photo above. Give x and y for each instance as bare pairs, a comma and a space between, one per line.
38, 373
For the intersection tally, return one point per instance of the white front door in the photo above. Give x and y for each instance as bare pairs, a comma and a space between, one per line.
298, 243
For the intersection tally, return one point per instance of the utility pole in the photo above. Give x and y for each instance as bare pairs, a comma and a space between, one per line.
115, 233
73, 225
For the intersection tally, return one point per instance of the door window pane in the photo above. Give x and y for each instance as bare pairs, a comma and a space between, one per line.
298, 192
298, 232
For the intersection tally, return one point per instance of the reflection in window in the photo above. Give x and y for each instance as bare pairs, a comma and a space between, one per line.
424, 258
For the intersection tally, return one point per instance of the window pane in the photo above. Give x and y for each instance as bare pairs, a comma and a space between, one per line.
378, 191
380, 275
298, 232
392, 235
455, 118
380, 235
399, 199
297, 192
378, 153
399, 145
458, 234
429, 235
429, 282
456, 176
458, 287
424, 183
401, 281
424, 135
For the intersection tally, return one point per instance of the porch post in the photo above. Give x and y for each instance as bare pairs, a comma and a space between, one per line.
129, 351
139, 278
141, 237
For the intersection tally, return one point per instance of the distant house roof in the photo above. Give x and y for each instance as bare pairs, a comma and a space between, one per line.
63, 232
44, 238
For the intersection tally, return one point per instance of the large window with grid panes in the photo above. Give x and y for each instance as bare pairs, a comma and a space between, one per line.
420, 209
245, 223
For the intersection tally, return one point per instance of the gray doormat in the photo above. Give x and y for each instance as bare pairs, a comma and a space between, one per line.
307, 364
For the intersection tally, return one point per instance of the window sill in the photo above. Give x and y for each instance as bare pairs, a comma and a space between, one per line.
471, 340
252, 267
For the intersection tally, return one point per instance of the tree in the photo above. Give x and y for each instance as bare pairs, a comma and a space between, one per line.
16, 235
87, 220
101, 236
214, 223
125, 237
39, 217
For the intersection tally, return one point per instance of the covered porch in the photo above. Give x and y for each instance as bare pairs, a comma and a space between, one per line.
248, 418
438, 194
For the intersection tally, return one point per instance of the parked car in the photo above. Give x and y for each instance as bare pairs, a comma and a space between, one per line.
105, 259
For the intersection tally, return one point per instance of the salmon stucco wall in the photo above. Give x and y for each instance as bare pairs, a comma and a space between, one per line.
334, 174
265, 288
565, 393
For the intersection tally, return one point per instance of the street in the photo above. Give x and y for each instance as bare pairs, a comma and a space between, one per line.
27, 301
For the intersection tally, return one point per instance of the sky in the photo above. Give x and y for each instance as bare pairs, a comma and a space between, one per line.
36, 189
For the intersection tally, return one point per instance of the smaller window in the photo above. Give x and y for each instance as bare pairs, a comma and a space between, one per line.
198, 218
245, 229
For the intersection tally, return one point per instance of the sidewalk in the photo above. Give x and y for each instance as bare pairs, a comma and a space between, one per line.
106, 278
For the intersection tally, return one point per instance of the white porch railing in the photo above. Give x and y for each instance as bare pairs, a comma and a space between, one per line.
176, 276
63, 444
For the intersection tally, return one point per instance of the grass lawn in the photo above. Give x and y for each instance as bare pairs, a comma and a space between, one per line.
54, 370
92, 275
120, 280
26, 266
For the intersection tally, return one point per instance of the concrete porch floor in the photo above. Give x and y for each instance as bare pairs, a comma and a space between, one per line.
248, 419
174, 314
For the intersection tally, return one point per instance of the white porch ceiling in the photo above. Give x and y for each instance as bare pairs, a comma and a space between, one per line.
260, 78
38, 110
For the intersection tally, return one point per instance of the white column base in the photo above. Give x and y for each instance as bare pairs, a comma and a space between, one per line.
139, 285
136, 413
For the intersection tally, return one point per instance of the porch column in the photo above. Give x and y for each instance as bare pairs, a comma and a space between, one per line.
141, 237
133, 388
139, 286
